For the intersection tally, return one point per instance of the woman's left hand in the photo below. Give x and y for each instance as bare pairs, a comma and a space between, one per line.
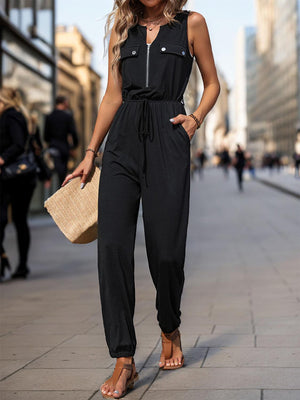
1, 161
188, 124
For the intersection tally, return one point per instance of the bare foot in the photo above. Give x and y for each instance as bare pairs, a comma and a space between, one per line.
117, 391
176, 358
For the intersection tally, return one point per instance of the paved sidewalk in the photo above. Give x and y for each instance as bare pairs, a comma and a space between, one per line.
241, 320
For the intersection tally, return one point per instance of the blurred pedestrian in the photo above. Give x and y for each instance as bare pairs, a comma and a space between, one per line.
250, 164
201, 158
146, 156
296, 156
17, 190
239, 164
61, 136
225, 161
43, 171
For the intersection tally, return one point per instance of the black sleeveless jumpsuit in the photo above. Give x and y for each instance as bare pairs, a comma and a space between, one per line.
145, 157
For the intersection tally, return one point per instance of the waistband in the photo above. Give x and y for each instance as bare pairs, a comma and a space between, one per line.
141, 100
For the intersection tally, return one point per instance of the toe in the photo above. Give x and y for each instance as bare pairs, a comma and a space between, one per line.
110, 391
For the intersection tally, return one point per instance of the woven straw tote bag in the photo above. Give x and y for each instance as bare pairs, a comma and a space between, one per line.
75, 210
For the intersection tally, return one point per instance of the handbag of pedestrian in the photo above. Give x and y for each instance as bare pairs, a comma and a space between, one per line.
75, 210
23, 165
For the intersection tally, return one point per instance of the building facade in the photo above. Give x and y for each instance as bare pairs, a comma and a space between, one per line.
217, 120
77, 80
273, 98
245, 62
32, 62
27, 57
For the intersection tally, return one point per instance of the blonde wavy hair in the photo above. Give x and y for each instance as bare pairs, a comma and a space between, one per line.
11, 97
125, 14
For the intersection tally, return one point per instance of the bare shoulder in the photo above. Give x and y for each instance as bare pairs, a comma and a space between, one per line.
196, 20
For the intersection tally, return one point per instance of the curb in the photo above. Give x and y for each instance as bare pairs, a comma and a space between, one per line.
278, 187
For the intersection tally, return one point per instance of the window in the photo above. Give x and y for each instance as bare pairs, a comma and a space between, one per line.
44, 15
14, 12
2, 6
12, 45
26, 16
36, 91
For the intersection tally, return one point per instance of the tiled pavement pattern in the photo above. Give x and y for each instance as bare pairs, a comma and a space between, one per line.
240, 325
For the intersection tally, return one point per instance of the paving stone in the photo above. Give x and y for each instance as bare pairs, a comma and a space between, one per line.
32, 340
278, 341
45, 395
220, 340
202, 395
8, 367
55, 379
85, 341
277, 330
253, 357
232, 329
74, 357
21, 352
281, 394
228, 378
32, 329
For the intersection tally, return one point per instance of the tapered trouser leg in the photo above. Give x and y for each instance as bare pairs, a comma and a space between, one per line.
118, 209
119, 198
165, 204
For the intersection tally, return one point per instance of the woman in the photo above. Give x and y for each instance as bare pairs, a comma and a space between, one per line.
15, 191
147, 156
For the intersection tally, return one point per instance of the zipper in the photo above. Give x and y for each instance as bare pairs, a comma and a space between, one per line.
147, 64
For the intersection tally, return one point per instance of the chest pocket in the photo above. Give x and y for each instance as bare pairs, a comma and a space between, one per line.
129, 51
171, 48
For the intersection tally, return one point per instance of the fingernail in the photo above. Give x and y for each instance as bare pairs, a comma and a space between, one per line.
171, 119
82, 185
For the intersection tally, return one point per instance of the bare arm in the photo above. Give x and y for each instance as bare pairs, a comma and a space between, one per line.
110, 103
200, 47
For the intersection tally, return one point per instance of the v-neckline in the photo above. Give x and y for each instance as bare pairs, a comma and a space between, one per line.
144, 27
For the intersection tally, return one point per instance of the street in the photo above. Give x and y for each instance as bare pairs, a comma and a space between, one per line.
240, 307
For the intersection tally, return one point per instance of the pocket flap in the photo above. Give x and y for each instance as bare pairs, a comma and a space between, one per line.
129, 51
167, 48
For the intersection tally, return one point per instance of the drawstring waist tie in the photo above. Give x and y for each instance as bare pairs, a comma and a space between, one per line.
144, 124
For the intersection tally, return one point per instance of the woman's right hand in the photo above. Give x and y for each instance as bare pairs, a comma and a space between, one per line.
83, 170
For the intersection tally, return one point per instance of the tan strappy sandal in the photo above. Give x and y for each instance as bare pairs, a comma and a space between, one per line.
112, 381
168, 340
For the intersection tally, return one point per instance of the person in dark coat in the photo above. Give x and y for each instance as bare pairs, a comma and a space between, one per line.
225, 161
59, 128
239, 164
201, 157
16, 191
